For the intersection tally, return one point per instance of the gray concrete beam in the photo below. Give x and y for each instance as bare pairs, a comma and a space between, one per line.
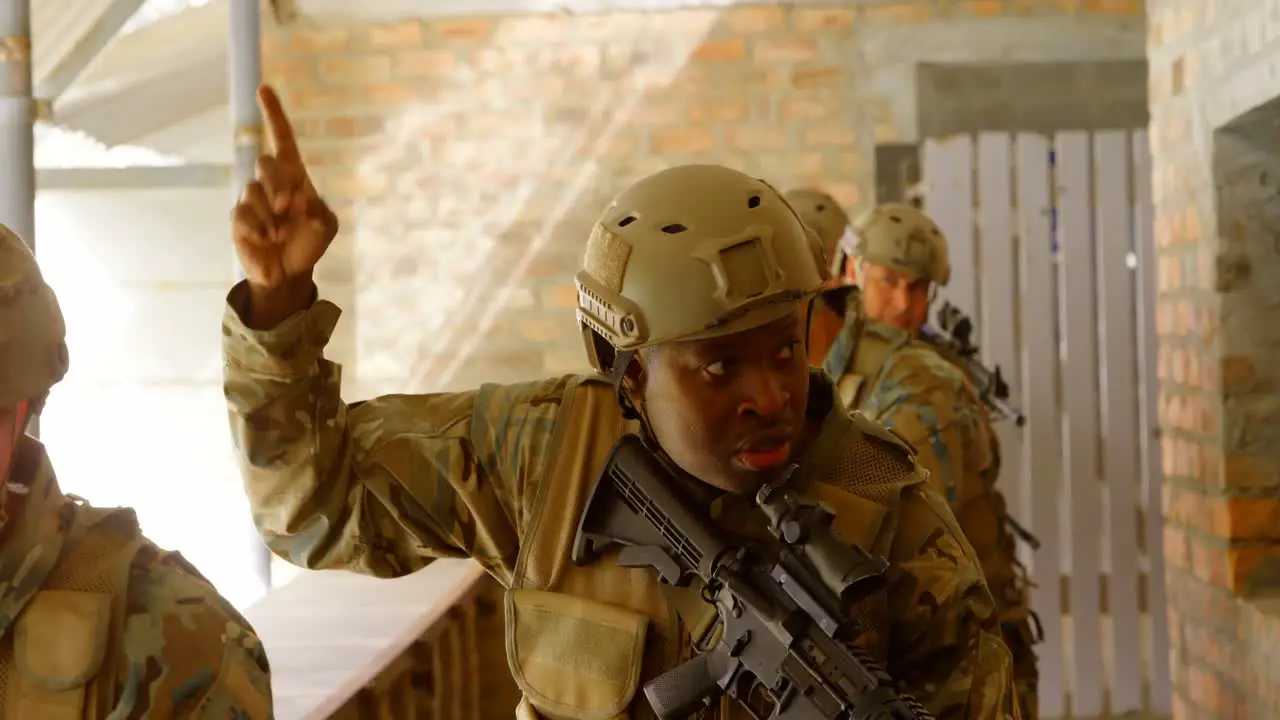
138, 177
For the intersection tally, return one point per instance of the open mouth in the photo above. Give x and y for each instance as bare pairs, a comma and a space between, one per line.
765, 454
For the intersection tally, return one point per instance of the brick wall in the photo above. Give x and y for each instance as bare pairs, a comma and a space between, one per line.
468, 156
1214, 69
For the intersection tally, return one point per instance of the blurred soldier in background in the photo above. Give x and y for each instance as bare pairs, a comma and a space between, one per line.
95, 620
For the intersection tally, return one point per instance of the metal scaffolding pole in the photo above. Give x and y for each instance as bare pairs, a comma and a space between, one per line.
17, 115
245, 51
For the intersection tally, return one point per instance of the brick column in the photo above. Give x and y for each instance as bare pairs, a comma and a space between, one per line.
1215, 193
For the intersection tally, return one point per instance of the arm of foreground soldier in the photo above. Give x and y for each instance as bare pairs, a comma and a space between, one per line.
944, 643
384, 486
186, 652
379, 487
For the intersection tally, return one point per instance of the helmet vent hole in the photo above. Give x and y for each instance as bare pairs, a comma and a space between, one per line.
674, 229
626, 221
753, 202
821, 207
895, 218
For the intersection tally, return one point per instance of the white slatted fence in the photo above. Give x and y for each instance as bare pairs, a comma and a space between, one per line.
1051, 250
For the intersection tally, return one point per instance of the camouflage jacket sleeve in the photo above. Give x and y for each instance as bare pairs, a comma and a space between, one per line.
378, 487
185, 651
945, 646
928, 402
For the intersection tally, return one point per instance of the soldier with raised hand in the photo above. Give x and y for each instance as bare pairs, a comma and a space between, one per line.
95, 620
692, 302
896, 259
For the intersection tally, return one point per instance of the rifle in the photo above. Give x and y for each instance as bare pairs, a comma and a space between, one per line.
784, 650
955, 335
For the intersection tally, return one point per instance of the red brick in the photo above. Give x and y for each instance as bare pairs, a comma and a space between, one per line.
823, 19
720, 110
785, 49
466, 30
983, 8
1113, 7
1243, 562
683, 141
753, 19
394, 37
720, 50
815, 77
319, 40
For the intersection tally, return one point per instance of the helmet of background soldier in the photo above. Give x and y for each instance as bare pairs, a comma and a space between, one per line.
822, 214
692, 252
902, 238
33, 335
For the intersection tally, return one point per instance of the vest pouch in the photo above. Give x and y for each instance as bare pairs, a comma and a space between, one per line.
60, 641
573, 658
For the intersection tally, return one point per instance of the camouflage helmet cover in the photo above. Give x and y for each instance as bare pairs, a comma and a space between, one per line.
691, 252
903, 238
33, 349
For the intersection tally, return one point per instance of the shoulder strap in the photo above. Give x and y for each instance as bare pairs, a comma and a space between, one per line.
589, 424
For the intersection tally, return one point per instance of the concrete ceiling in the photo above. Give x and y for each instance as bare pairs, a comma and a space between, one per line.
173, 68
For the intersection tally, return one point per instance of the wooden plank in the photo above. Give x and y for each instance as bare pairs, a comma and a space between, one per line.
1042, 434
949, 200
1161, 690
322, 654
1080, 388
998, 267
1118, 356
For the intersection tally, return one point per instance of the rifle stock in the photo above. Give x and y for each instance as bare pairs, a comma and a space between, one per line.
785, 631
955, 333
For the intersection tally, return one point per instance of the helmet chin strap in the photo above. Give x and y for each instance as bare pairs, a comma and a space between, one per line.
617, 376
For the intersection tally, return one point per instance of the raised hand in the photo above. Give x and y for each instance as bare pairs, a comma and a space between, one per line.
281, 226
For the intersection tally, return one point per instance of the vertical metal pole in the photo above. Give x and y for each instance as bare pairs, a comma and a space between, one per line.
17, 131
17, 113
245, 51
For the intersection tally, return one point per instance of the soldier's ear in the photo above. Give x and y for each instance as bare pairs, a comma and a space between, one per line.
635, 378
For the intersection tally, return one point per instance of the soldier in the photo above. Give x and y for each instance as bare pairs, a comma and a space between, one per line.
708, 363
821, 213
95, 620
882, 367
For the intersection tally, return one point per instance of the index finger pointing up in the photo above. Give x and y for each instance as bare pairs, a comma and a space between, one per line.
281, 131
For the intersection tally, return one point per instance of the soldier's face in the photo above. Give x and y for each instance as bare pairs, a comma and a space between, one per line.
893, 297
730, 410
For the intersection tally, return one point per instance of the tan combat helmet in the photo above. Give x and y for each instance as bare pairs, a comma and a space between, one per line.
822, 214
690, 252
33, 347
902, 238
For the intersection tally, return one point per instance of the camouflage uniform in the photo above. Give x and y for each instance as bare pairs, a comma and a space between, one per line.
95, 621
502, 473
918, 392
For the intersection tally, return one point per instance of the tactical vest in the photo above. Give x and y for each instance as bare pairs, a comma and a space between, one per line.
58, 663
859, 357
581, 639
